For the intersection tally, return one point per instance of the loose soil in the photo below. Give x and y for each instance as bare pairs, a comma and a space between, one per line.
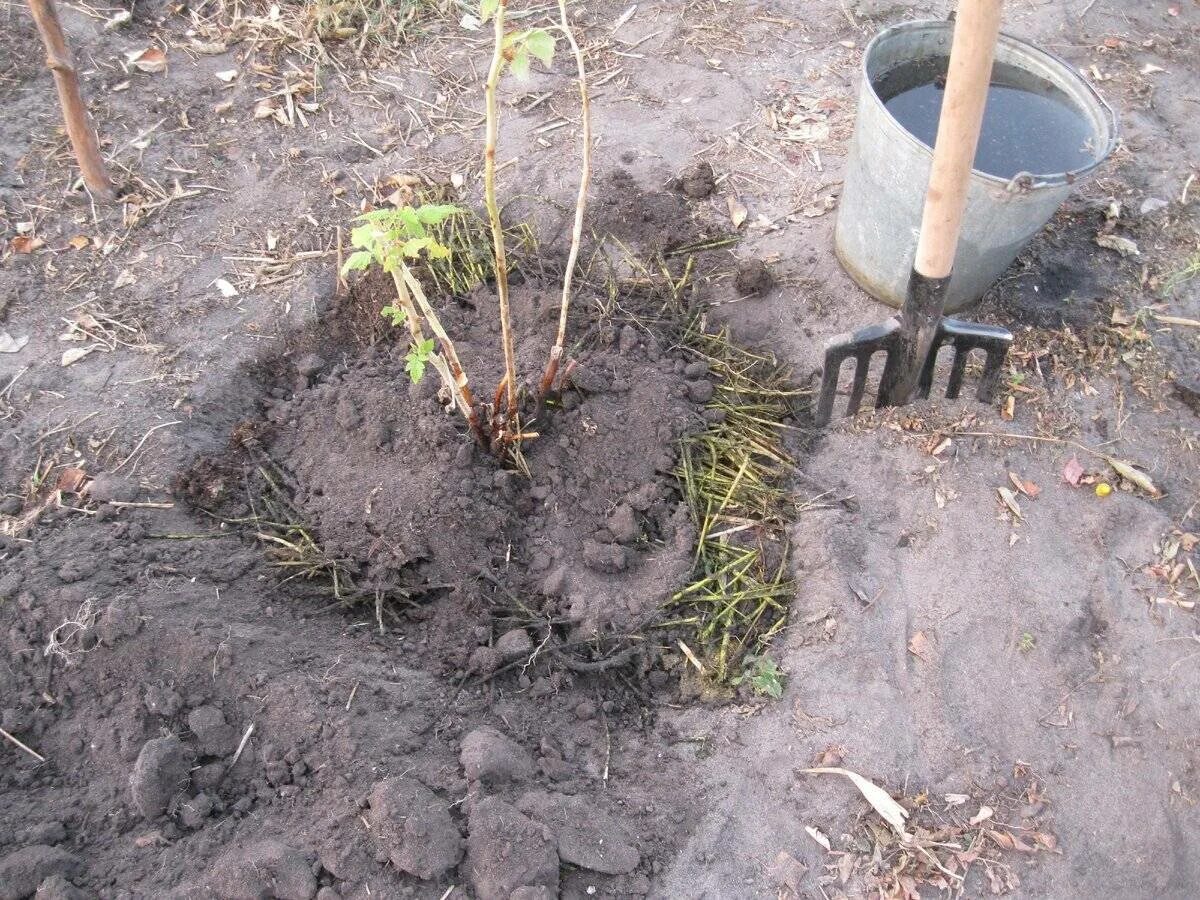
295, 637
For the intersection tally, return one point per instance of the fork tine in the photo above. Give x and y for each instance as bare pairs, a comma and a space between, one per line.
991, 371
925, 383
862, 367
957, 370
834, 357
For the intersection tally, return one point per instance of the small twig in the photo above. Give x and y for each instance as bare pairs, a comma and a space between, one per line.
153, 429
242, 745
8, 737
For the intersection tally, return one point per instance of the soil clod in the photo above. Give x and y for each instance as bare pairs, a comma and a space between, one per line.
215, 736
507, 851
413, 827
586, 836
492, 757
160, 772
514, 644
753, 278
23, 871
699, 181
265, 869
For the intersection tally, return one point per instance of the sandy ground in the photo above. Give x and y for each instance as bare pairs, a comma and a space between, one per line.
1042, 664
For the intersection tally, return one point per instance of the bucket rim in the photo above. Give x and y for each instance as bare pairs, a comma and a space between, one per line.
1040, 179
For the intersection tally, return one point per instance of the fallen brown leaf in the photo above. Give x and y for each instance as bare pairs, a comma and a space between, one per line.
1134, 476
1072, 472
71, 480
1010, 500
152, 60
919, 646
737, 212
24, 243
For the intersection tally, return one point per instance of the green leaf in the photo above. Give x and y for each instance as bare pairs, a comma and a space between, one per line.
360, 259
436, 213
396, 314
541, 44
519, 65
363, 236
487, 9
410, 222
376, 216
413, 246
418, 356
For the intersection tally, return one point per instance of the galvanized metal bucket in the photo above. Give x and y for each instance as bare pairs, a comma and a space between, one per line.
879, 215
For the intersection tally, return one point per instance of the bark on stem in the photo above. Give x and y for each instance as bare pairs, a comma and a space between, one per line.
493, 210
74, 110
585, 176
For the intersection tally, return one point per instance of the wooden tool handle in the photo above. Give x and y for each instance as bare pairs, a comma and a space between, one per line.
975, 32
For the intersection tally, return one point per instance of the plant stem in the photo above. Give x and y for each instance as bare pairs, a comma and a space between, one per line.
457, 383
585, 176
411, 317
493, 210
74, 110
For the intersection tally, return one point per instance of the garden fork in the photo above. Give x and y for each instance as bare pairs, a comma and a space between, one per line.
911, 340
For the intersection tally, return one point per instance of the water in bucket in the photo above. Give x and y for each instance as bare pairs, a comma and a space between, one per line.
1029, 125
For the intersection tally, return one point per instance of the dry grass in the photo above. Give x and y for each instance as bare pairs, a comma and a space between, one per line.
734, 478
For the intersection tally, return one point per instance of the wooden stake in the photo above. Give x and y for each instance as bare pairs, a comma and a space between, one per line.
75, 114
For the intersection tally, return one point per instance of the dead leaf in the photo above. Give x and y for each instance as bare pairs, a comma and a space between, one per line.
956, 799
1010, 408
71, 480
1122, 245
737, 212
1010, 500
1151, 68
124, 279
74, 354
10, 344
265, 109
985, 813
1028, 488
152, 60
817, 835
830, 756
123, 17
227, 290
227, 76
881, 801
24, 243
918, 646
846, 866
808, 132
789, 872
151, 839
819, 208
80, 241
1134, 476
210, 48
1072, 472
1049, 841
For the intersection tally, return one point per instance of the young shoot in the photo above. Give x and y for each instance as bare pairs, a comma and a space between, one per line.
390, 239
509, 51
